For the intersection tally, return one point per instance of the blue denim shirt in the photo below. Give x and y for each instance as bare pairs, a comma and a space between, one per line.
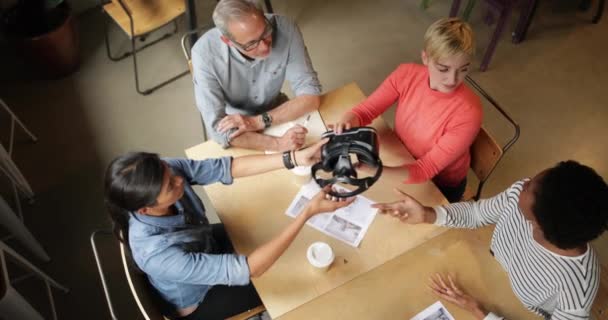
170, 249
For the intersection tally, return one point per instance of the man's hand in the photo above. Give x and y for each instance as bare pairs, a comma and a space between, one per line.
241, 123
348, 120
449, 291
322, 202
293, 139
310, 155
408, 210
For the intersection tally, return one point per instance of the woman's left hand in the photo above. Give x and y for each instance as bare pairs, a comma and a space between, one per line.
448, 290
310, 155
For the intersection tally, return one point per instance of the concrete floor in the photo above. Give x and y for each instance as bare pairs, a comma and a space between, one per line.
551, 83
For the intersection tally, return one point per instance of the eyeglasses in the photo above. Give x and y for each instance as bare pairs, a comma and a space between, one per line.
251, 45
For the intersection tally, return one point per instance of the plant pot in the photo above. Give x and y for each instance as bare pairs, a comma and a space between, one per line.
53, 53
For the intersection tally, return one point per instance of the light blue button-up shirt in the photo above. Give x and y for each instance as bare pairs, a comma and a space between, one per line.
174, 250
225, 82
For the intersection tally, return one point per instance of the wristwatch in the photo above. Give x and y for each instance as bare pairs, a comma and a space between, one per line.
287, 160
267, 119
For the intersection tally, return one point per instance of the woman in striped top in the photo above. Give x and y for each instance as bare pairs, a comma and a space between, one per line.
543, 229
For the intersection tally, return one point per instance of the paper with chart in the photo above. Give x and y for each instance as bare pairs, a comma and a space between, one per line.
347, 224
312, 121
436, 311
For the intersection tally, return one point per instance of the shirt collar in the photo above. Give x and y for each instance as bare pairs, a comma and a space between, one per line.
165, 221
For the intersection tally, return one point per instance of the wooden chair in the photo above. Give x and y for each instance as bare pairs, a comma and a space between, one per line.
599, 309
138, 18
149, 304
186, 47
485, 151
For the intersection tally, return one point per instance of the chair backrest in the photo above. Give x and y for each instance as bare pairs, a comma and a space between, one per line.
485, 154
148, 303
186, 50
599, 310
485, 151
186, 45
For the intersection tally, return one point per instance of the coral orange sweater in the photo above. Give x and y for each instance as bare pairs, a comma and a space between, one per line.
436, 128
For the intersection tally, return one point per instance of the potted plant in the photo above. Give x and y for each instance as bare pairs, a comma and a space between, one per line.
44, 32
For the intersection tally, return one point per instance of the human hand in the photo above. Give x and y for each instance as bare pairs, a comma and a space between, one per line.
408, 209
323, 202
310, 155
241, 123
293, 139
348, 120
448, 290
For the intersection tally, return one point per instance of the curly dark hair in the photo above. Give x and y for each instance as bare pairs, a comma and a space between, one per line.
571, 204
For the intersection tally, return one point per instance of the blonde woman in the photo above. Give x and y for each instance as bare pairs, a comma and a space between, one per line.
437, 116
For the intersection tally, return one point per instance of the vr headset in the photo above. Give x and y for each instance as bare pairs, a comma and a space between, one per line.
335, 158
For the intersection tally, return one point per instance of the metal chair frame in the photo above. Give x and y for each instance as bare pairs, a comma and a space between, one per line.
186, 47
33, 271
509, 143
29, 194
134, 50
136, 295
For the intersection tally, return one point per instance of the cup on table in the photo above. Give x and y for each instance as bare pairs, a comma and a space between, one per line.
320, 255
301, 174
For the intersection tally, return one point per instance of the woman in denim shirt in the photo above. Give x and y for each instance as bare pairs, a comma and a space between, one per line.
189, 262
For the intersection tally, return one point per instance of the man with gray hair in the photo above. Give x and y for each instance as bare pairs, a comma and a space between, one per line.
239, 68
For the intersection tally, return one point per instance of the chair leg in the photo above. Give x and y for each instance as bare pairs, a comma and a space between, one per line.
454, 8
100, 270
467, 10
10, 221
126, 54
268, 6
424, 4
136, 70
37, 272
502, 20
524, 21
152, 89
599, 12
107, 43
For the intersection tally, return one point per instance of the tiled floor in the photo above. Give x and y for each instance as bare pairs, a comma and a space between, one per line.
553, 84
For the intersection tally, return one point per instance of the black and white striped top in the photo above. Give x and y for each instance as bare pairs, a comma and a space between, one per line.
553, 286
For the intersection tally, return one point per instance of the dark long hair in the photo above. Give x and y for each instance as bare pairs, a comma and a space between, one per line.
132, 181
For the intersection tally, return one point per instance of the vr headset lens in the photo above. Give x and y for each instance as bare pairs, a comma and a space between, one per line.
339, 158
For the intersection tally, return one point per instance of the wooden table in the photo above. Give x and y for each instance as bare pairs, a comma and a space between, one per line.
385, 278
398, 289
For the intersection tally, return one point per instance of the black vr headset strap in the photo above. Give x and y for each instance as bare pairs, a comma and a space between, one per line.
362, 184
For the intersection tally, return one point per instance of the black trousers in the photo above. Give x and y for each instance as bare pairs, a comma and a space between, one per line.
221, 301
453, 194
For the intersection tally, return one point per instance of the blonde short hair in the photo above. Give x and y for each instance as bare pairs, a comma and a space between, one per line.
448, 37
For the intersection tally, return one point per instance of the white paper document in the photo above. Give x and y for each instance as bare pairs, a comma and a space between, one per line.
311, 121
348, 224
436, 311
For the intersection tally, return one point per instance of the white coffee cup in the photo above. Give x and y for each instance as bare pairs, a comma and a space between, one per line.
320, 255
302, 174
